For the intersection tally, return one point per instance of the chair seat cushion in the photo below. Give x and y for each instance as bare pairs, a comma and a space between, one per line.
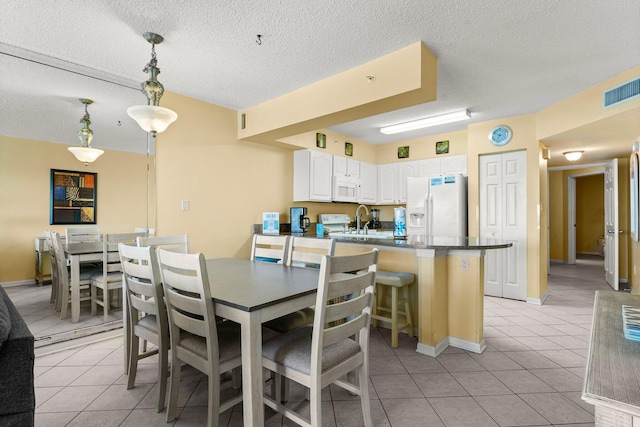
112, 279
149, 322
392, 278
293, 350
292, 321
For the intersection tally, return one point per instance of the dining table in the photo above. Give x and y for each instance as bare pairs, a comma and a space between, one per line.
251, 293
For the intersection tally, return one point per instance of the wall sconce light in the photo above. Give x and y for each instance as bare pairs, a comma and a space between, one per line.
572, 156
85, 153
441, 119
151, 117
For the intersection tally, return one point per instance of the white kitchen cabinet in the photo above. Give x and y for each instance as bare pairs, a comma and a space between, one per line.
448, 165
453, 165
346, 167
392, 182
312, 176
368, 193
387, 178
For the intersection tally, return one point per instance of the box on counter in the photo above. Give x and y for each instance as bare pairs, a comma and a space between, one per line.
270, 223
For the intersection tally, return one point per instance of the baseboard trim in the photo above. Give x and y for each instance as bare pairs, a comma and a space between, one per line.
18, 283
538, 301
432, 351
468, 345
56, 347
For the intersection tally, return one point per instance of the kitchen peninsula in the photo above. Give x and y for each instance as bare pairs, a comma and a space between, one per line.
450, 281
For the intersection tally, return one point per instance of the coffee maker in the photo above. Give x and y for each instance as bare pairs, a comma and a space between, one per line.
299, 220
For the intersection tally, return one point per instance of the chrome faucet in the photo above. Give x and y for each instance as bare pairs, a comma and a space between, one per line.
366, 209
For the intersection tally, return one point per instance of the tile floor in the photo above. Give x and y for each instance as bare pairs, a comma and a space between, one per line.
530, 375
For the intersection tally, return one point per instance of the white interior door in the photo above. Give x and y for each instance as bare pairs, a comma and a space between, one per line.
503, 216
611, 223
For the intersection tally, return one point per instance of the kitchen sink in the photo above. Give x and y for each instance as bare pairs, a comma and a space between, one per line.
373, 234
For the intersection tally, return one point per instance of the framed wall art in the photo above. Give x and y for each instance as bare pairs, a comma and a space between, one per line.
442, 147
403, 152
73, 197
321, 140
348, 149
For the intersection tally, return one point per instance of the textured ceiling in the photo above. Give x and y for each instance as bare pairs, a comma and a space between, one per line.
498, 58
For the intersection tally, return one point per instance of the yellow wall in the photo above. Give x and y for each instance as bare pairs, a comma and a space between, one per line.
25, 170
557, 216
589, 213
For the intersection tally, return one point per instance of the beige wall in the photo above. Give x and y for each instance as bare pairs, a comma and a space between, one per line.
557, 216
25, 170
589, 213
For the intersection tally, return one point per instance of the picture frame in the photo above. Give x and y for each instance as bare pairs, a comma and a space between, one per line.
321, 140
348, 149
73, 197
403, 152
442, 147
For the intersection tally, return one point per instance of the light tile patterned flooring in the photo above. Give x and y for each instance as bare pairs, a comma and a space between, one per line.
530, 375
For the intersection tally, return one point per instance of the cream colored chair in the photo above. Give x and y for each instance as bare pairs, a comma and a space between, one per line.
196, 339
64, 279
83, 233
269, 248
146, 313
318, 356
302, 252
178, 243
110, 278
54, 268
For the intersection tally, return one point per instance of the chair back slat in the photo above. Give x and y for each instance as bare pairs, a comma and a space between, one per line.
177, 243
83, 233
308, 251
269, 248
142, 283
345, 330
346, 308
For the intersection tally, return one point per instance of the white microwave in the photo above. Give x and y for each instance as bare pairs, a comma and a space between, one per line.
344, 190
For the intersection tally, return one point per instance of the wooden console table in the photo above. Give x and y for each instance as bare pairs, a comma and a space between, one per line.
612, 381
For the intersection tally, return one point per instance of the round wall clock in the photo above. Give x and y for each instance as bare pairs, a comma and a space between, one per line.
500, 135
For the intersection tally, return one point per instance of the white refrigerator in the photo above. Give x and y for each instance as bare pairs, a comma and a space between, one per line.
437, 206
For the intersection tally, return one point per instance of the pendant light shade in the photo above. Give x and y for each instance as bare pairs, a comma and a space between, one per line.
151, 117
85, 153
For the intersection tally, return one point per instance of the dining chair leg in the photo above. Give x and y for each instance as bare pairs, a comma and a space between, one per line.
363, 382
133, 361
214, 399
174, 388
315, 406
105, 303
394, 317
94, 295
163, 354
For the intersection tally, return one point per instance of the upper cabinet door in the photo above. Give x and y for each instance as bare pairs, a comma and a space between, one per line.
454, 164
428, 167
387, 183
368, 183
312, 176
405, 170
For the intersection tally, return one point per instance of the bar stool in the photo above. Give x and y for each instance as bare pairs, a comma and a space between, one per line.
397, 281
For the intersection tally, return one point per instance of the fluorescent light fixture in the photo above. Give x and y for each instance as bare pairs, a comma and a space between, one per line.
572, 156
441, 119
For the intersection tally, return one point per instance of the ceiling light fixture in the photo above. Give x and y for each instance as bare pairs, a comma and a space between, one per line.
572, 156
441, 119
85, 153
151, 117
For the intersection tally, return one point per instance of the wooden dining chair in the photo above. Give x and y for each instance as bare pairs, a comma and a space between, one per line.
304, 252
176, 243
64, 279
110, 277
269, 248
196, 338
83, 233
318, 356
146, 313
54, 268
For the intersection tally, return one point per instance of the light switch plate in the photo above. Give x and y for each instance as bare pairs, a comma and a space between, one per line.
185, 205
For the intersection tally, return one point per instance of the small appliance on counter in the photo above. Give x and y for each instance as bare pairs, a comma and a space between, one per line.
375, 220
299, 220
334, 223
399, 223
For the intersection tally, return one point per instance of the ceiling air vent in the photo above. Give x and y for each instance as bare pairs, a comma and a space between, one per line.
624, 92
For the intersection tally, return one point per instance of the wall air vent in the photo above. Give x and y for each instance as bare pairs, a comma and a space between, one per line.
624, 92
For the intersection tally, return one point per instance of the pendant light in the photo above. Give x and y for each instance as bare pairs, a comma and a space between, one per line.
85, 153
151, 117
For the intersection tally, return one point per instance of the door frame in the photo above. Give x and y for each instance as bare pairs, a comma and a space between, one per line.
571, 202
